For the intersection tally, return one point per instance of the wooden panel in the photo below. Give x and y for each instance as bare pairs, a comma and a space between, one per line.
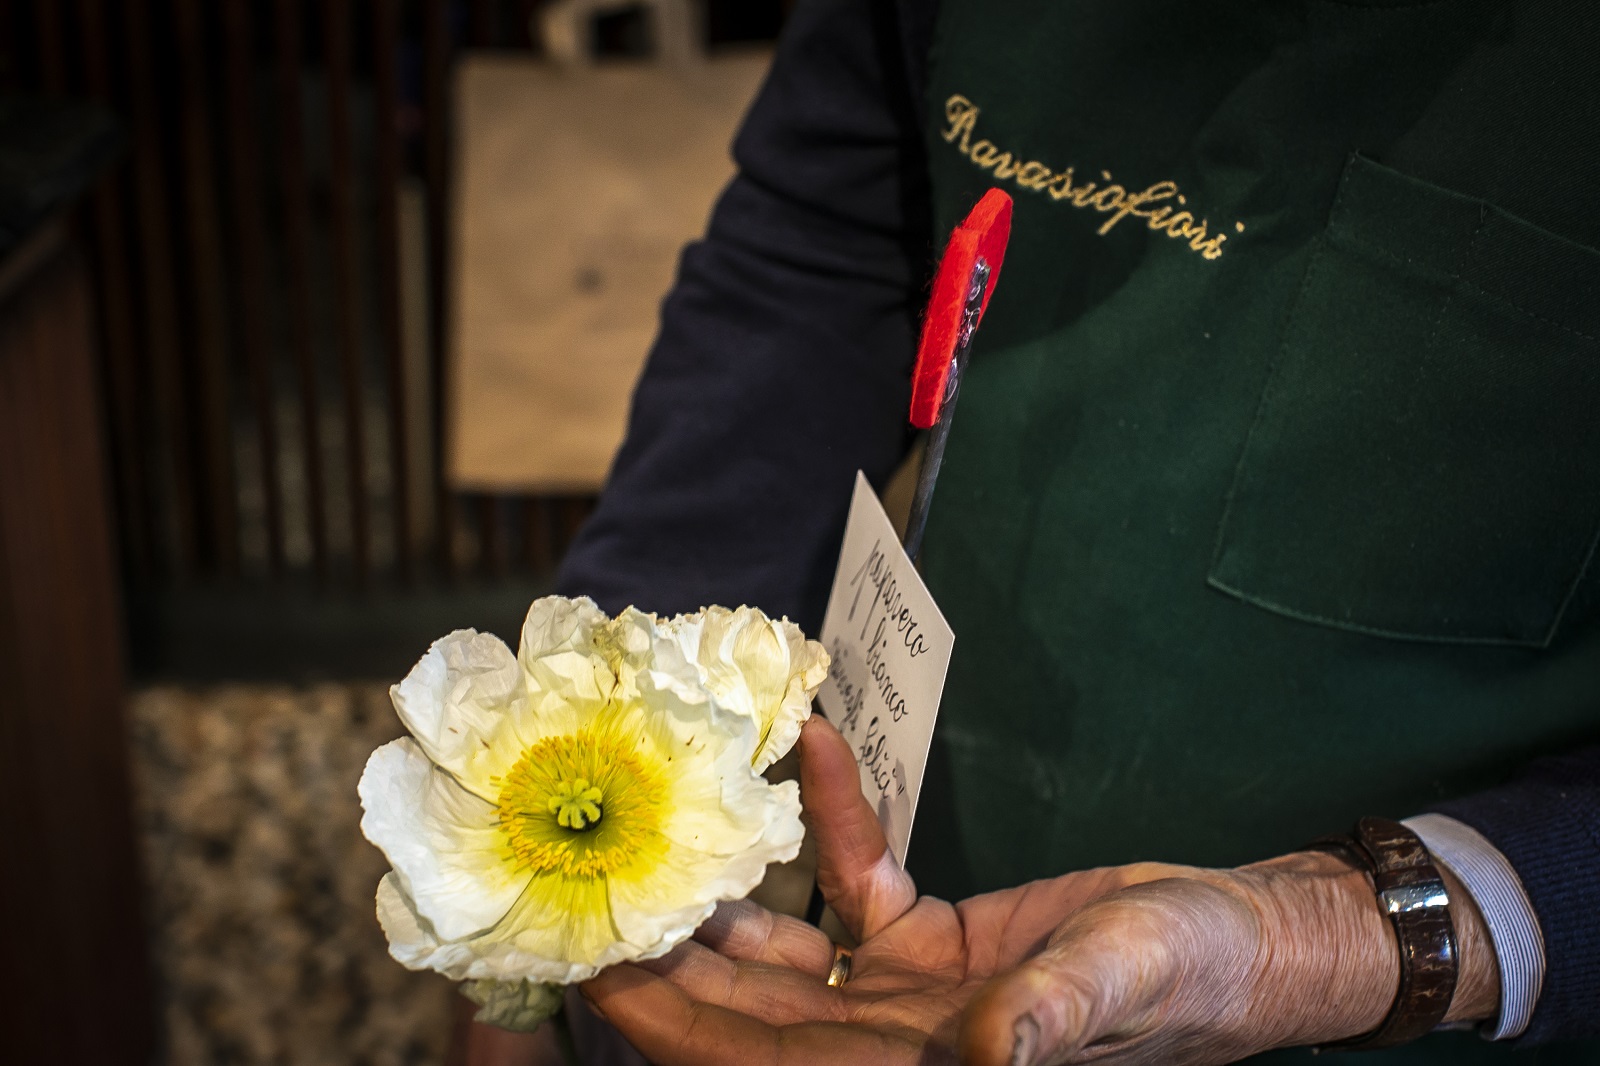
65, 810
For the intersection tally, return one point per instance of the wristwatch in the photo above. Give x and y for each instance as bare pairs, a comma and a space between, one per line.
1412, 895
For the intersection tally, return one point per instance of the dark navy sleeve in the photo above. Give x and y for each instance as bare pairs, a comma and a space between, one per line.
1547, 824
786, 343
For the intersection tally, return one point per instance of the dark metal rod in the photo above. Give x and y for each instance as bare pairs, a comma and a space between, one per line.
160, 299
123, 377
386, 42
297, 247
245, 161
336, 41
436, 128
207, 271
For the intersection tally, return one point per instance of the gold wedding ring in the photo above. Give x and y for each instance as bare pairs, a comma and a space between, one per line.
840, 972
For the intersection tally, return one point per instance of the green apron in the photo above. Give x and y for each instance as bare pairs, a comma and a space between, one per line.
1274, 483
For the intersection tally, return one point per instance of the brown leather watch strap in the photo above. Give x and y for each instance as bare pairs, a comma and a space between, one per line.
1411, 893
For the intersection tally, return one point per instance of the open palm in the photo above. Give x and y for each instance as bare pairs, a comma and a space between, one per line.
750, 988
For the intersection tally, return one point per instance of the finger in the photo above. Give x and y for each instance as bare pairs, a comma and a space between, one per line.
670, 1028
747, 931
775, 994
857, 873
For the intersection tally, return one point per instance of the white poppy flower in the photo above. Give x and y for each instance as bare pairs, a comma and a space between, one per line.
587, 801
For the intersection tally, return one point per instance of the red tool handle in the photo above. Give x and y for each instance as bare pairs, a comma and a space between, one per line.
982, 235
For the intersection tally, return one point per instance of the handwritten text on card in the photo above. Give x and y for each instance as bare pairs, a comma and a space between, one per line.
890, 648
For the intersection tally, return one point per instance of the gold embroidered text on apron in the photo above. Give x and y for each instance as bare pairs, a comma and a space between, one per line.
1158, 205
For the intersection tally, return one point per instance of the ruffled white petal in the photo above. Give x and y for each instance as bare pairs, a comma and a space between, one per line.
444, 843
566, 675
412, 941
520, 1006
757, 666
726, 861
461, 702
680, 723
725, 816
562, 930
628, 644
807, 669
549, 936
519, 950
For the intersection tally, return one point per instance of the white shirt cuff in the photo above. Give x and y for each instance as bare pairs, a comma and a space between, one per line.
1501, 899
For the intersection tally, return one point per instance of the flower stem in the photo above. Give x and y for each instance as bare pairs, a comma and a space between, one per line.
561, 1026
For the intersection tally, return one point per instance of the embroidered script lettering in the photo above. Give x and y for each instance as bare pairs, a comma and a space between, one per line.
1159, 206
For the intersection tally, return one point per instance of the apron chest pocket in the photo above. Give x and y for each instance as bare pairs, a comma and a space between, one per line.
1425, 460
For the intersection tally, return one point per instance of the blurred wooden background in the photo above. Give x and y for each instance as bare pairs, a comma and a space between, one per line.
272, 274
224, 460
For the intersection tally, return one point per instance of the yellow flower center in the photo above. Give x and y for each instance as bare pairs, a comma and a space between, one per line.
576, 804
585, 805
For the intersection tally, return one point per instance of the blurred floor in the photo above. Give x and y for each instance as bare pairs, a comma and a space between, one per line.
261, 885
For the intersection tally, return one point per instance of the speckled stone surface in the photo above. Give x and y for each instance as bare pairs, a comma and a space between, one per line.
261, 885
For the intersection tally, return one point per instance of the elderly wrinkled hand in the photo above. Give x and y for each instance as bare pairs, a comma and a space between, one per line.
1135, 964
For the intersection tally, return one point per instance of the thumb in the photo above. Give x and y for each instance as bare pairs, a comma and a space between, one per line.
1155, 966
857, 873
1103, 978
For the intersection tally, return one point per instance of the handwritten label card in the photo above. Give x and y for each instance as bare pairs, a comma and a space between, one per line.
890, 648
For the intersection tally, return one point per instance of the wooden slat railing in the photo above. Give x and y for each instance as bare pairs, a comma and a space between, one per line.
207, 299
336, 55
436, 171
170, 449
268, 420
250, 259
296, 208
128, 393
